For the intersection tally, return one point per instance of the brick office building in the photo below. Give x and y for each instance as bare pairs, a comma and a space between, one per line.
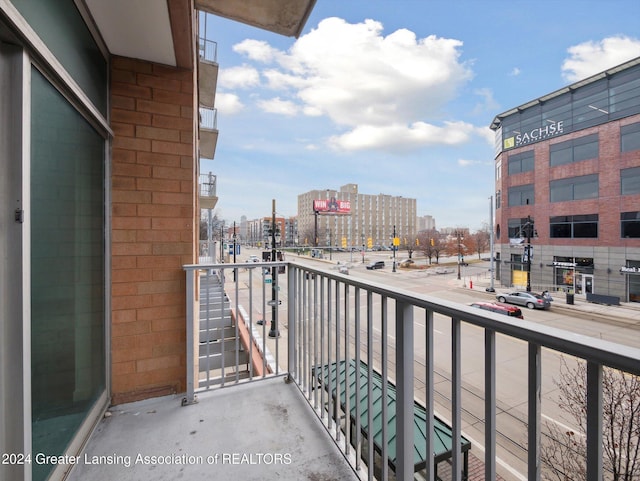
568, 186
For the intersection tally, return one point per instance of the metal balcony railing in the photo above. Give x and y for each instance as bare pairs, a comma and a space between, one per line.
208, 183
315, 321
208, 50
208, 118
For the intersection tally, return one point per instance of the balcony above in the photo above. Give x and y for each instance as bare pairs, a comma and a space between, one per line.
208, 194
285, 17
207, 73
208, 132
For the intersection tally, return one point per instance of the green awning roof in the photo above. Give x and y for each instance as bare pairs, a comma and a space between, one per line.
442, 432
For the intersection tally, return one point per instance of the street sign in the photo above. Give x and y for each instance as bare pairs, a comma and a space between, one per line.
267, 279
273, 303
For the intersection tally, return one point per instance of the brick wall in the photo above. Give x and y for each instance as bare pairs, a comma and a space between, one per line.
153, 204
608, 205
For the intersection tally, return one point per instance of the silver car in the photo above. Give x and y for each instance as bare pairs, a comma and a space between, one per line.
527, 299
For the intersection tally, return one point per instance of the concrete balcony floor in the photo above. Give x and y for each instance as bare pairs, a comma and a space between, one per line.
254, 431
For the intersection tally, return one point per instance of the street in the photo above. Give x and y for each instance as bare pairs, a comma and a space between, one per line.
511, 354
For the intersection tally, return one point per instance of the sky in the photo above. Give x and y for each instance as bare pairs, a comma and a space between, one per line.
396, 96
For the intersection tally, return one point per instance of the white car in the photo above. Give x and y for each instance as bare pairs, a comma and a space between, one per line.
443, 270
253, 259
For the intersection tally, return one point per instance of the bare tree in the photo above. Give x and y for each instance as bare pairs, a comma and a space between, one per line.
481, 241
430, 244
563, 451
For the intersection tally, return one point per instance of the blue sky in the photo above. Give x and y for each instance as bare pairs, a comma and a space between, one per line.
396, 96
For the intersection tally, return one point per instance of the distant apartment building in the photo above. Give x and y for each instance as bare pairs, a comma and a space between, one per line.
425, 222
568, 185
369, 220
258, 231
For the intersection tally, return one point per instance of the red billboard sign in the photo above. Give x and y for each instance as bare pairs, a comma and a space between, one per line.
332, 206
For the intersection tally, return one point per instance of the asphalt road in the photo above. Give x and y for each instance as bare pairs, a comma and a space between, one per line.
511, 354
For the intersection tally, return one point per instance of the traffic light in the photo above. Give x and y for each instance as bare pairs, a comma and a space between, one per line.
369, 242
344, 242
417, 241
432, 242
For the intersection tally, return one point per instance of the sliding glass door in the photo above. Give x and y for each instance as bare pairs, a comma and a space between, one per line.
67, 270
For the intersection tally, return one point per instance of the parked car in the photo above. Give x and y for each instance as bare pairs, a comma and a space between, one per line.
506, 309
443, 270
375, 265
527, 299
253, 259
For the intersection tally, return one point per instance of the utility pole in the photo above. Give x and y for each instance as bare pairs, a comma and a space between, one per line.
492, 264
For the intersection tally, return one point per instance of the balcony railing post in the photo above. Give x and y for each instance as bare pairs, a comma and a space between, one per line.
292, 367
490, 404
594, 421
534, 415
190, 397
404, 380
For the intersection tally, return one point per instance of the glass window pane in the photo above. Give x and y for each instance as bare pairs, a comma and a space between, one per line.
560, 230
630, 181
562, 154
630, 137
67, 270
585, 151
586, 188
585, 229
560, 191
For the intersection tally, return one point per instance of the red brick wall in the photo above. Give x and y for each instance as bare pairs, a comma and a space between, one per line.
608, 205
153, 226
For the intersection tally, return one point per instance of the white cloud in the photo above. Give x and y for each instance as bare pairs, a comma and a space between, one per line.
590, 58
278, 106
243, 76
515, 72
469, 163
488, 103
399, 137
256, 50
228, 104
367, 83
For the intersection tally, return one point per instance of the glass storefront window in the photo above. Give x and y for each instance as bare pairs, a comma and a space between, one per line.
634, 282
630, 225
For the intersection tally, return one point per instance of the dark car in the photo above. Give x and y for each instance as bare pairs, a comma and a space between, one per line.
375, 265
527, 299
506, 309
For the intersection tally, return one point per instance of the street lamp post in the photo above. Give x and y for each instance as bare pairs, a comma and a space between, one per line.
222, 242
273, 332
234, 249
460, 238
394, 247
528, 232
